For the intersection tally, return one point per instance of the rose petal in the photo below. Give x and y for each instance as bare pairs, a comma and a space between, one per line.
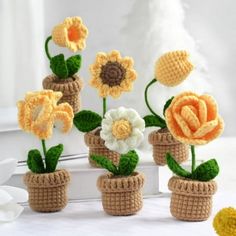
205, 129
18, 194
202, 109
10, 211
212, 108
183, 125
7, 168
190, 118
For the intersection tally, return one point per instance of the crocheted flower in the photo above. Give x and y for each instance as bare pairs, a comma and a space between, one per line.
225, 222
72, 34
39, 112
172, 68
112, 74
194, 119
122, 129
10, 196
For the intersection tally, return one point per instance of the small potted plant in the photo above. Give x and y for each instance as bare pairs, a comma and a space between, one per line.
122, 130
193, 119
37, 114
111, 75
171, 69
71, 33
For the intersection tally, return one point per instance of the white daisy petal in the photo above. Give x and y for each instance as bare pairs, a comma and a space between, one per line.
5, 197
18, 194
7, 168
10, 211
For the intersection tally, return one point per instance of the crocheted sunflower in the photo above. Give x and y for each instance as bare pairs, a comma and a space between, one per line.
112, 74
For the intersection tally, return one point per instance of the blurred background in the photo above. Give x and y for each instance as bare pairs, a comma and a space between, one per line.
141, 29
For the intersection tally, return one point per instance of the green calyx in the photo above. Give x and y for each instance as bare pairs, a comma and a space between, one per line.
204, 172
86, 120
35, 161
126, 167
62, 68
154, 120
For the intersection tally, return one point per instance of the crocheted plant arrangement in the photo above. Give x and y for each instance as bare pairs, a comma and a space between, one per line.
193, 119
225, 222
122, 131
71, 33
171, 69
111, 75
38, 113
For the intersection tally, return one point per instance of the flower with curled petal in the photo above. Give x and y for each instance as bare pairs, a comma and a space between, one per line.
172, 68
39, 111
225, 222
112, 74
71, 33
122, 129
193, 119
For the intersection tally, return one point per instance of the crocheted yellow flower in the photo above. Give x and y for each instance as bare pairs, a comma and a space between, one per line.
172, 68
112, 74
72, 34
225, 222
39, 112
194, 119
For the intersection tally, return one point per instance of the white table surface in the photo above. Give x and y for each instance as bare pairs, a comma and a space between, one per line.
88, 218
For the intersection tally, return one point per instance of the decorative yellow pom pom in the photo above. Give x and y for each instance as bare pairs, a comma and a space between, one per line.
225, 222
172, 68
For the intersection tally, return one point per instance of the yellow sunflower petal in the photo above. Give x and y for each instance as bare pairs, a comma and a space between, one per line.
114, 56
131, 74
115, 92
127, 62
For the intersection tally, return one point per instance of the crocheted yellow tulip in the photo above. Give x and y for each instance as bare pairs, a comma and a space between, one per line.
112, 74
71, 33
225, 222
172, 68
194, 119
39, 111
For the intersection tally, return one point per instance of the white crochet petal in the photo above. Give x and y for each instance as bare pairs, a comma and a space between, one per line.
17, 194
123, 147
10, 211
5, 197
7, 168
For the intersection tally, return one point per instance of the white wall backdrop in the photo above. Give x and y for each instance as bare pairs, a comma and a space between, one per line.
142, 29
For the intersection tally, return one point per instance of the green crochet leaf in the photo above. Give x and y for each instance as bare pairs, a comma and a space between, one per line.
175, 167
167, 104
151, 120
73, 64
128, 163
59, 67
105, 163
86, 120
52, 156
35, 161
206, 171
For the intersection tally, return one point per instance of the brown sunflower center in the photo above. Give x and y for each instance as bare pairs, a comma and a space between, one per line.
112, 74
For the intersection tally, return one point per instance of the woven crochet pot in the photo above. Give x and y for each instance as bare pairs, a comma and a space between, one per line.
97, 147
47, 192
69, 87
121, 196
163, 142
191, 200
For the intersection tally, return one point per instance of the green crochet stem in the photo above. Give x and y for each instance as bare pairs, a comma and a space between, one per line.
44, 147
193, 158
104, 101
46, 47
147, 103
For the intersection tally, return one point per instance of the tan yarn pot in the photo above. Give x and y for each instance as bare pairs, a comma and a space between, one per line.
47, 192
191, 200
163, 142
121, 196
70, 88
97, 147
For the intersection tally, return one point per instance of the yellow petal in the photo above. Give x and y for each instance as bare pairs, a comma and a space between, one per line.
114, 56
183, 125
64, 119
212, 108
205, 129
202, 111
127, 62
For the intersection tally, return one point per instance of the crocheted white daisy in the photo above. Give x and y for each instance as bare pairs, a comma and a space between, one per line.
122, 129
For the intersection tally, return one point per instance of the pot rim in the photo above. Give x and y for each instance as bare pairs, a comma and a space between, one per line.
190, 187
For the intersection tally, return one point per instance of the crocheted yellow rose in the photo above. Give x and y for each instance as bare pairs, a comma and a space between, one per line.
71, 33
112, 74
39, 111
193, 119
172, 68
225, 222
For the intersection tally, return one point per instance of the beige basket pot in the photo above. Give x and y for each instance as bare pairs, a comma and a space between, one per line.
191, 200
70, 88
163, 142
97, 147
121, 196
47, 192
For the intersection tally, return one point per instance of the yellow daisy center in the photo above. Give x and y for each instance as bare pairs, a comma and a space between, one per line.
121, 129
73, 34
